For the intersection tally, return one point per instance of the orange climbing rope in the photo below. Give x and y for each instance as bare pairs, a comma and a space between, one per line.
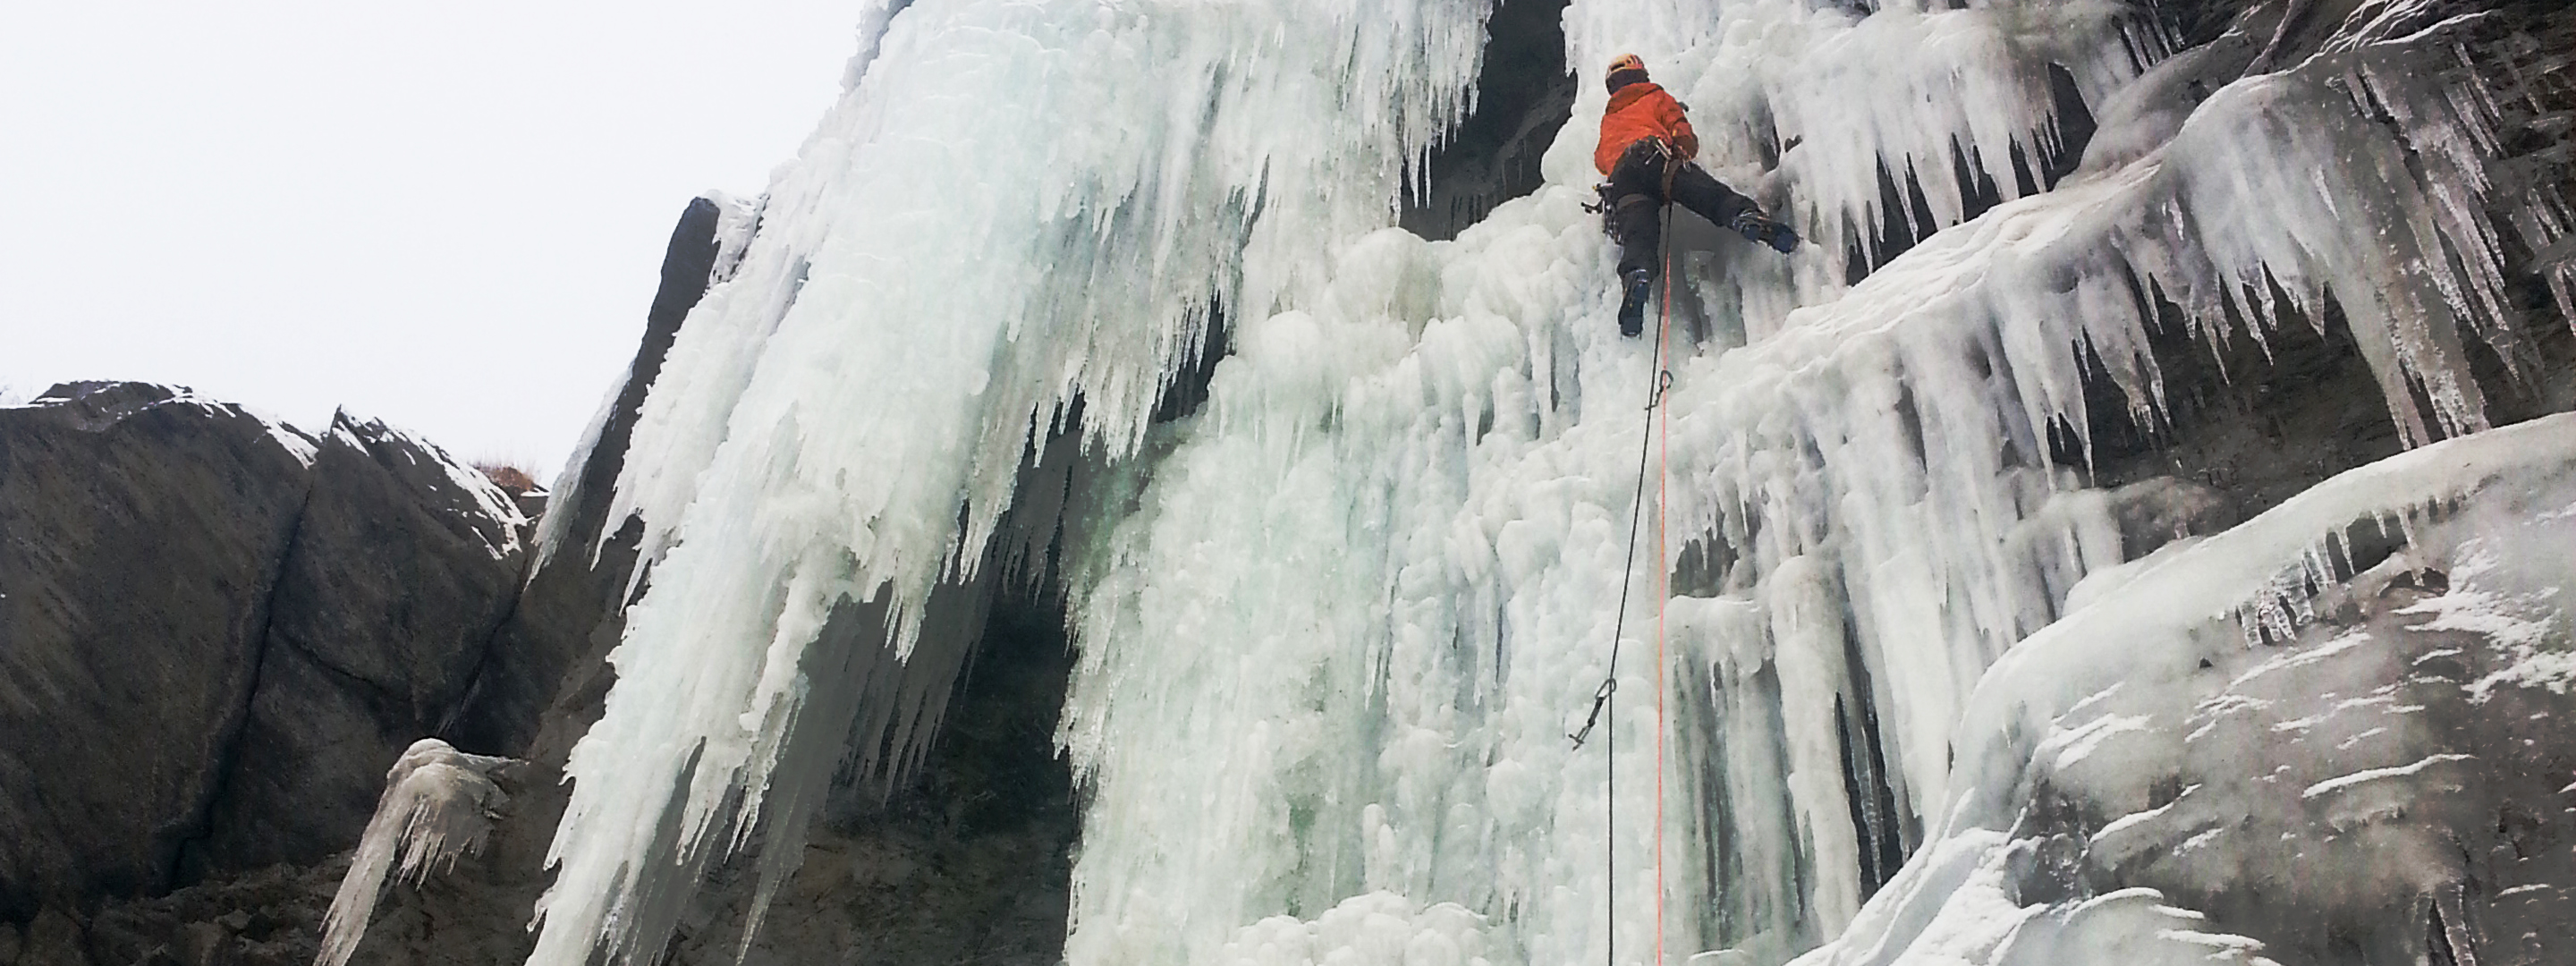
1605, 697
1663, 566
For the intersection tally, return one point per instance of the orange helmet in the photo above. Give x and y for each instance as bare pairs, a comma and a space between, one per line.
1627, 69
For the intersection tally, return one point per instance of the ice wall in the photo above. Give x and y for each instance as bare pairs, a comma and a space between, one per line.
1337, 648
1336, 623
1014, 205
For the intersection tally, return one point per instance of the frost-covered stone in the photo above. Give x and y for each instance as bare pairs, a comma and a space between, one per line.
438, 805
2274, 737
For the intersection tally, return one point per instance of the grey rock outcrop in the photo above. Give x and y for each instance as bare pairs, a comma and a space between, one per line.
218, 632
403, 565
573, 604
141, 533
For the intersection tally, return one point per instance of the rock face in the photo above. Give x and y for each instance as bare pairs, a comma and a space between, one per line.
144, 533
292, 612
217, 633
368, 649
968, 861
571, 605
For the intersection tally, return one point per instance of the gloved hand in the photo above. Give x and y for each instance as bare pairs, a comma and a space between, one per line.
1753, 225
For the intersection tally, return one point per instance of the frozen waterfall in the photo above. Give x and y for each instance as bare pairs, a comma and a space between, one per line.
1335, 621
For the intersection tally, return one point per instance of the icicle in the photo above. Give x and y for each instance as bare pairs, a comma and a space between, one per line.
438, 805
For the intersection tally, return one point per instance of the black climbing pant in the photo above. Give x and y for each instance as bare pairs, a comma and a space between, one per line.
1636, 202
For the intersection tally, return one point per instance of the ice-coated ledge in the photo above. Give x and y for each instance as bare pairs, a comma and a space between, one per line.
2306, 753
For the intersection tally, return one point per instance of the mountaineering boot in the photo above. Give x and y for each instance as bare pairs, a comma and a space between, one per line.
1753, 225
1632, 302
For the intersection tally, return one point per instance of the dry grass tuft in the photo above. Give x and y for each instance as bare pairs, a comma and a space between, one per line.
511, 479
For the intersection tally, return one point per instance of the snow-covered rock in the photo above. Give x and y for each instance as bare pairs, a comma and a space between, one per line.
2337, 733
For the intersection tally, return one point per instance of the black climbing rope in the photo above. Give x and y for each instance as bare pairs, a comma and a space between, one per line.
1606, 697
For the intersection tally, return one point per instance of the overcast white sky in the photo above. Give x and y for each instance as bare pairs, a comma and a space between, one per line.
449, 215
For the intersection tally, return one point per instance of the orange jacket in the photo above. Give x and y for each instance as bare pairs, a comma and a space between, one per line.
1639, 111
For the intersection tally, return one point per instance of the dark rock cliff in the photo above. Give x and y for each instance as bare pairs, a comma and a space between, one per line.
142, 534
572, 606
401, 568
217, 633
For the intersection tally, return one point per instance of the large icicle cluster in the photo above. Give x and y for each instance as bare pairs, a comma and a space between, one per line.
1903, 488
1015, 206
1828, 111
1336, 624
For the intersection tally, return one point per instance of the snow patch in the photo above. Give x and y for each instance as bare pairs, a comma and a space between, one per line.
2375, 774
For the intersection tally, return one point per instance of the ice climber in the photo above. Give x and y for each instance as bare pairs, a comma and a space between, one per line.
1646, 150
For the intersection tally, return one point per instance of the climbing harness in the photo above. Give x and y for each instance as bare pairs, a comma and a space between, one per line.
1606, 696
1602, 203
